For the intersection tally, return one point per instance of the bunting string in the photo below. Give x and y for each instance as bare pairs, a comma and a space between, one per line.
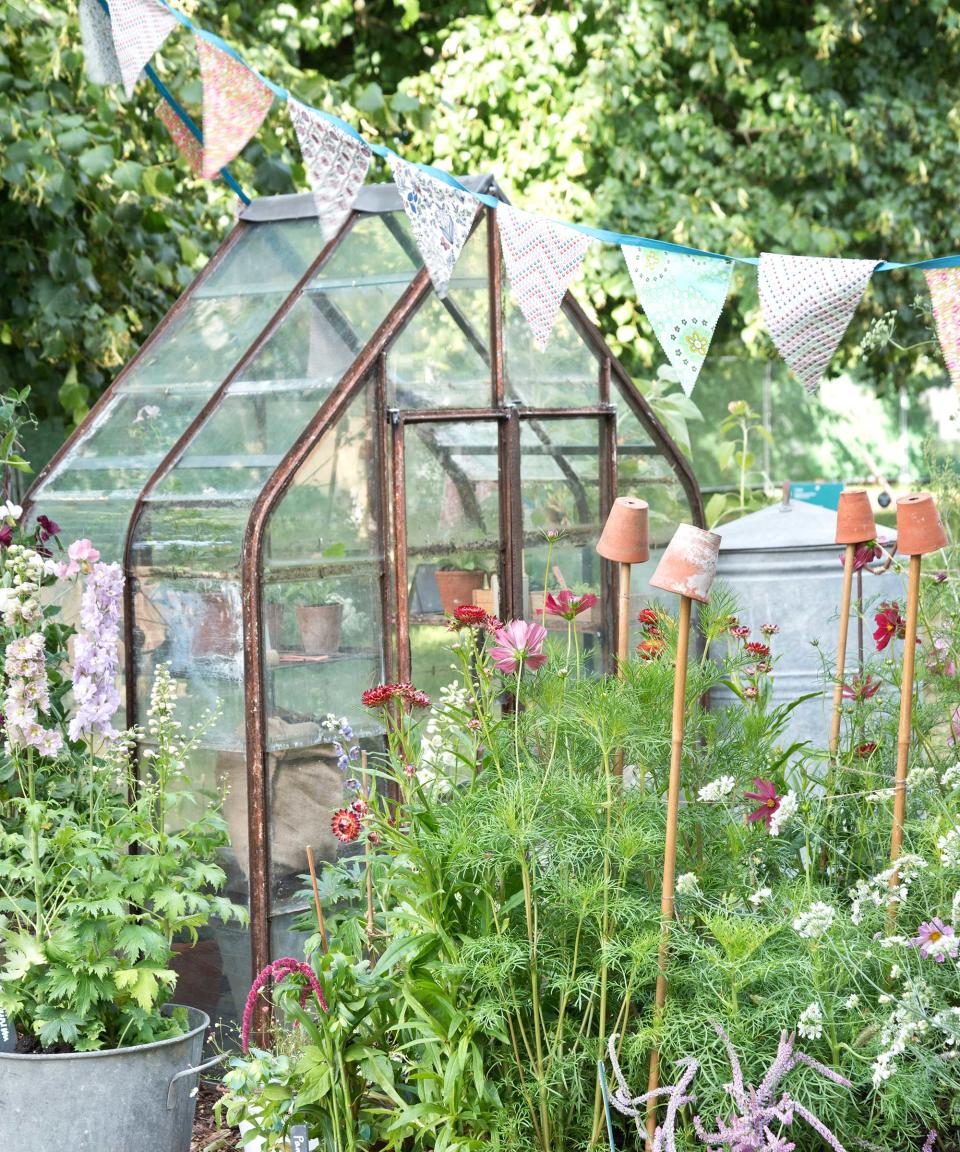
683, 300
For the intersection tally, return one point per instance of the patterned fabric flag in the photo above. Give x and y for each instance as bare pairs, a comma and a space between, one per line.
336, 165
808, 303
683, 297
542, 259
190, 147
99, 54
440, 216
944, 285
139, 29
235, 104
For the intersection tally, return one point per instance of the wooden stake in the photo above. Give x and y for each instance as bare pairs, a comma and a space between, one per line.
623, 641
670, 843
848, 563
906, 717
365, 779
316, 900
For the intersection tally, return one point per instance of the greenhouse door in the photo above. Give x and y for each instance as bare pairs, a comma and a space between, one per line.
485, 503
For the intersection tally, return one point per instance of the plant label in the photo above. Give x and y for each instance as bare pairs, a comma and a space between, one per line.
299, 1140
8, 1035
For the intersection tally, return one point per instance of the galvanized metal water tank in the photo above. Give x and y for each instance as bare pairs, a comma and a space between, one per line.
783, 567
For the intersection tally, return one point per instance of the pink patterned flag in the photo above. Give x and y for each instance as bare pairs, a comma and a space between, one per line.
235, 104
139, 29
189, 145
542, 260
99, 55
336, 165
944, 285
808, 303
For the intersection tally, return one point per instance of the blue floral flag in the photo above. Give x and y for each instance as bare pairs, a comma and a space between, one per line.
440, 217
682, 297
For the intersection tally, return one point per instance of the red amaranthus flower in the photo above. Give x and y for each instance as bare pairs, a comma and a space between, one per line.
277, 971
345, 825
889, 623
861, 690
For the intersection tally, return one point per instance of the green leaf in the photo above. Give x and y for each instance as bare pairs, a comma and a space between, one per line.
95, 161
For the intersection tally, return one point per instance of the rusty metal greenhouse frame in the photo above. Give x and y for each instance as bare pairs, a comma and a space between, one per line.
369, 368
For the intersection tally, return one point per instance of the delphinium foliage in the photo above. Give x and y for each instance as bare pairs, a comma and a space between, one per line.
104, 862
497, 920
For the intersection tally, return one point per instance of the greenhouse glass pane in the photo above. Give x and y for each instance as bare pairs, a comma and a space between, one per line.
323, 637
565, 375
560, 493
268, 258
190, 539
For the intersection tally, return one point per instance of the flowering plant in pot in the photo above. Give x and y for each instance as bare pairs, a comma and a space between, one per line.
103, 866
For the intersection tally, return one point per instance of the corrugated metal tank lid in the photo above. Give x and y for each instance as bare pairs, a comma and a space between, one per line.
793, 525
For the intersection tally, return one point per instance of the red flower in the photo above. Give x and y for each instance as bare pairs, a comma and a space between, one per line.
864, 554
769, 801
345, 825
866, 750
757, 650
373, 836
769, 629
360, 807
415, 698
384, 693
889, 623
566, 605
648, 617
469, 615
6, 536
651, 648
861, 690
493, 625
377, 697
741, 631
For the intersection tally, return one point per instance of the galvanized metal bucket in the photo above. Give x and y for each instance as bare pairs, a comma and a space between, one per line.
139, 1099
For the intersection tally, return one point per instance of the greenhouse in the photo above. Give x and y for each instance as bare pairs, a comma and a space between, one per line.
312, 460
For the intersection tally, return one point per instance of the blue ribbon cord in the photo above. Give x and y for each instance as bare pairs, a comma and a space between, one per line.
602, 234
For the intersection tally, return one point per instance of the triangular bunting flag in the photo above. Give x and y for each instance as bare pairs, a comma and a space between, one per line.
99, 54
336, 165
542, 259
235, 104
944, 285
440, 217
808, 303
683, 297
189, 145
139, 28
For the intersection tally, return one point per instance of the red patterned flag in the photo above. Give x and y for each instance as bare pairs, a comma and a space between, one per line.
189, 145
944, 285
542, 260
440, 218
808, 303
139, 29
336, 165
235, 103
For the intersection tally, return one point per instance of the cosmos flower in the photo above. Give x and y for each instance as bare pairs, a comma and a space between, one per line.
863, 555
936, 940
864, 751
767, 798
519, 645
890, 624
345, 825
566, 605
860, 690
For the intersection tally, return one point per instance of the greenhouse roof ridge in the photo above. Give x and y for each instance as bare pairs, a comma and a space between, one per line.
373, 198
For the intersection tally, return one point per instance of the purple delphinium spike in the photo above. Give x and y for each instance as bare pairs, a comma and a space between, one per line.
930, 1143
96, 653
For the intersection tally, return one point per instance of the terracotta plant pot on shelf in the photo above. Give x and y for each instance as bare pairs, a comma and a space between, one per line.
320, 628
457, 587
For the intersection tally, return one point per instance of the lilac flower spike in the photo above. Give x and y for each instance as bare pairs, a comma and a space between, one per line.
664, 1139
96, 659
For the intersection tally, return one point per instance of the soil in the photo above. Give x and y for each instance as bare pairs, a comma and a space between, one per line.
208, 1136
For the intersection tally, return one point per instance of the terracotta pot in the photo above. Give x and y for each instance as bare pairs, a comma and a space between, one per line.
855, 522
320, 627
625, 536
919, 529
273, 618
457, 587
216, 627
689, 564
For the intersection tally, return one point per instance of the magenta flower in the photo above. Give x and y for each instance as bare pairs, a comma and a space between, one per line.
278, 971
566, 604
767, 798
860, 690
937, 940
519, 645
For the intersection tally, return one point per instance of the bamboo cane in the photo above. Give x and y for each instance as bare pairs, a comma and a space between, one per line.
670, 844
316, 900
623, 641
849, 559
906, 717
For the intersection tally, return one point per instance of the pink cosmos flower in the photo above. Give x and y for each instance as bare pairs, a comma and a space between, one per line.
81, 555
767, 798
860, 690
517, 645
936, 939
566, 604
